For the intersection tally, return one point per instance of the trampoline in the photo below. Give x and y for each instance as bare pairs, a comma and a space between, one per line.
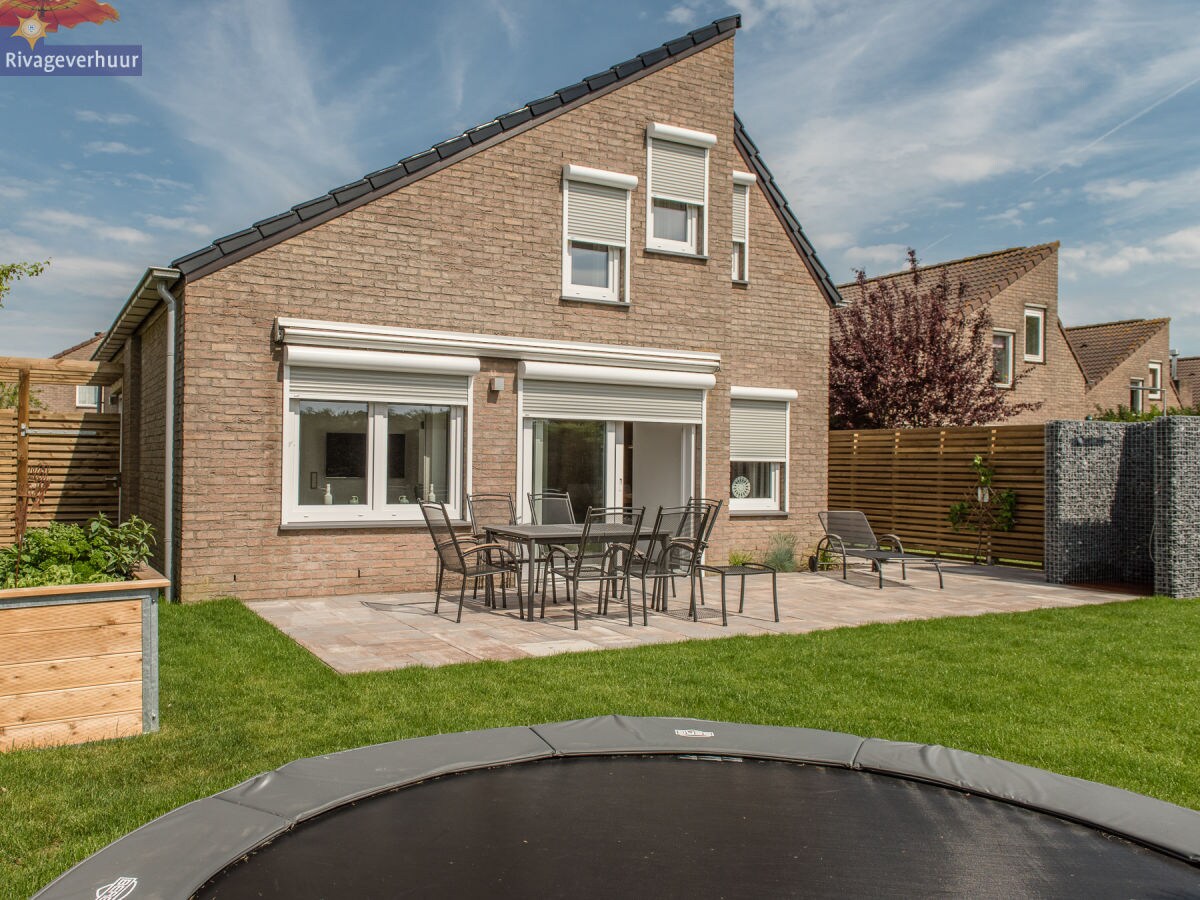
616, 806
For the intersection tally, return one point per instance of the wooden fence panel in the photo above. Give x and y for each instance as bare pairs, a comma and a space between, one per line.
81, 453
906, 480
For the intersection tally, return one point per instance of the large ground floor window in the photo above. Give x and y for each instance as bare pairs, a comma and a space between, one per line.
373, 460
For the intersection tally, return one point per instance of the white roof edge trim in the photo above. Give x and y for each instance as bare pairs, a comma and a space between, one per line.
543, 371
142, 301
380, 360
744, 178
390, 338
760, 393
599, 176
681, 135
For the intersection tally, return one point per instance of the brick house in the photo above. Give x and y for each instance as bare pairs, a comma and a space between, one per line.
603, 291
1126, 363
66, 398
1019, 288
1187, 380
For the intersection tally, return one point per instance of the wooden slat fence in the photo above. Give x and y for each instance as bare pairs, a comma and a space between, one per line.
905, 481
82, 453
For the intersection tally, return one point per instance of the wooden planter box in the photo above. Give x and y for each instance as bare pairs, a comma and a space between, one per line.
79, 662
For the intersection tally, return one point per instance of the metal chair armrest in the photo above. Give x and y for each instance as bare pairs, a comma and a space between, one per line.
897, 547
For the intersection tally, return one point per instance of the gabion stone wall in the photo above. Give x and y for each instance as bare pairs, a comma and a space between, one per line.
1099, 502
1123, 504
1177, 513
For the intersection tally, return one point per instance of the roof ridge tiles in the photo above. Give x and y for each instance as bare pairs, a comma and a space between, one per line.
215, 254
1043, 249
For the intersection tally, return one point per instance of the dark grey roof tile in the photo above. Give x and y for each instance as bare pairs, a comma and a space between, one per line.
485, 131
194, 261
386, 176
515, 118
601, 79
348, 192
630, 66
650, 57
573, 92
314, 207
700, 35
544, 105
276, 224
231, 243
678, 45
420, 161
452, 146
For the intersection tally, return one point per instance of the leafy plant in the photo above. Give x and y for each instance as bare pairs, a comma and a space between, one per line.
781, 552
11, 273
1124, 414
75, 554
984, 509
740, 557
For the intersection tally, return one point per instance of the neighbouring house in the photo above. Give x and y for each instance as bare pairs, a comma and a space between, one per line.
603, 291
1126, 363
1187, 380
69, 398
1019, 288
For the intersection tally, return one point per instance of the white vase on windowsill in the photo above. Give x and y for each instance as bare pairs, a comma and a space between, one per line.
328, 495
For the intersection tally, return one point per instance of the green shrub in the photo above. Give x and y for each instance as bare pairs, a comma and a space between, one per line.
74, 554
781, 552
740, 557
1124, 414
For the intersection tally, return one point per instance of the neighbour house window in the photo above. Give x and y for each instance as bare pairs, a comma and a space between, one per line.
1136, 391
1002, 356
596, 234
758, 449
1156, 381
87, 396
1035, 334
741, 225
677, 169
364, 446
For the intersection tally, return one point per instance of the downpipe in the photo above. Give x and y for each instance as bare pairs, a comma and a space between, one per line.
169, 440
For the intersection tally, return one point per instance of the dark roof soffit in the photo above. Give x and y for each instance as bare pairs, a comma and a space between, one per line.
234, 247
750, 153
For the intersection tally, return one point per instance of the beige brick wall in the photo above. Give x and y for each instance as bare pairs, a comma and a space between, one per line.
477, 247
143, 436
1113, 390
1057, 382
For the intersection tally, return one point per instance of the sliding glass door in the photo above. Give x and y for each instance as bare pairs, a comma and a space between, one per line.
571, 456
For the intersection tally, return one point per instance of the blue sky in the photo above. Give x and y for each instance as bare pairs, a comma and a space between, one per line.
952, 127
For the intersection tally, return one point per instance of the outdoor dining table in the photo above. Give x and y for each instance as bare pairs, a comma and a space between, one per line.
565, 533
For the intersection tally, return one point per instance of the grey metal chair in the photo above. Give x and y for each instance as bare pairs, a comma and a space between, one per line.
848, 533
671, 550
468, 558
494, 509
601, 557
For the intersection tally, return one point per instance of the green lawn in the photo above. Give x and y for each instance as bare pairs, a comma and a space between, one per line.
1107, 693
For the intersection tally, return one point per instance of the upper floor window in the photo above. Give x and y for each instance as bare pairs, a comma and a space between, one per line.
1002, 357
1155, 381
596, 234
1137, 388
87, 396
741, 225
1035, 334
677, 202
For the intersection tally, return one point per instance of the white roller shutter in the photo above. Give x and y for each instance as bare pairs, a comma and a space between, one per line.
597, 213
758, 430
604, 393
678, 171
417, 388
741, 212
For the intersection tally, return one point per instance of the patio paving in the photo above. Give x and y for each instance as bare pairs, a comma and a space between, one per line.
377, 632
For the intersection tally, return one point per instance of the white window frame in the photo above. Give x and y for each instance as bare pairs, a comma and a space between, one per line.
778, 501
1156, 383
697, 215
377, 511
743, 181
95, 404
618, 257
1012, 363
1137, 394
1039, 313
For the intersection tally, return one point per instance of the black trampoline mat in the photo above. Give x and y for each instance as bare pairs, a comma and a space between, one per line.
668, 826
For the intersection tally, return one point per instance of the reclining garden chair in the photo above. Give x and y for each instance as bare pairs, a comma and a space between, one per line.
847, 532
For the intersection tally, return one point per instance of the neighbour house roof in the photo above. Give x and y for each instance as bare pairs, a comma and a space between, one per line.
1102, 347
81, 345
985, 275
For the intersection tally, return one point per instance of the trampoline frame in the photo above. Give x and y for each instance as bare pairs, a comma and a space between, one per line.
220, 829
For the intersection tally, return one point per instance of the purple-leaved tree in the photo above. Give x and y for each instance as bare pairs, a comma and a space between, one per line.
910, 354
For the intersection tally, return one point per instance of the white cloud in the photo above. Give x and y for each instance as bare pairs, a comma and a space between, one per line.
57, 221
89, 115
1178, 248
1012, 215
681, 15
1116, 189
885, 257
115, 147
965, 168
178, 223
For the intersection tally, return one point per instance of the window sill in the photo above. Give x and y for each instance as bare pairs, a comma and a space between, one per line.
358, 524
567, 298
741, 282
1036, 362
758, 513
682, 254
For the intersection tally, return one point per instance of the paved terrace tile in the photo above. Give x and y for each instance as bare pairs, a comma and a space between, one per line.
378, 632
